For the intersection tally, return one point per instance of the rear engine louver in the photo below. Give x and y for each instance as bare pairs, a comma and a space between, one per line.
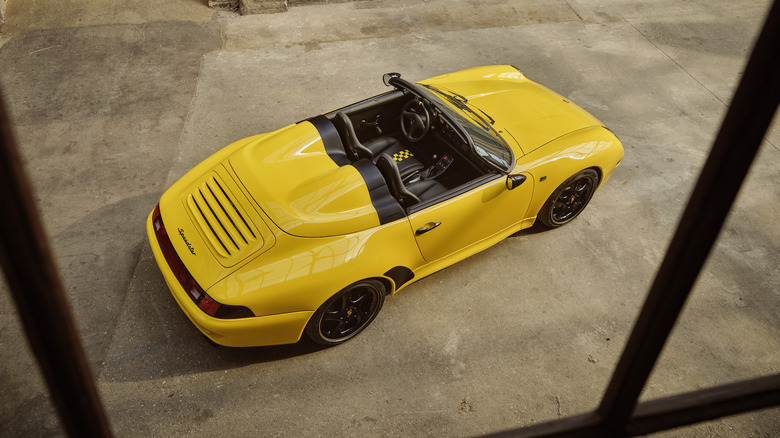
223, 223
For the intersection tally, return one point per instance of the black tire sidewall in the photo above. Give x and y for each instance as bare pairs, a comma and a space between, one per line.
545, 214
313, 327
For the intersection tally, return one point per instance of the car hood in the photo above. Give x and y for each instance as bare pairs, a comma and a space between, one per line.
300, 188
532, 114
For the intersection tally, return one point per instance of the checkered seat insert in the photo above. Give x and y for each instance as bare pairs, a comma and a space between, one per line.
404, 158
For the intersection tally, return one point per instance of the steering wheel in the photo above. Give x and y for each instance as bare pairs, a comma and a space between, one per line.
415, 120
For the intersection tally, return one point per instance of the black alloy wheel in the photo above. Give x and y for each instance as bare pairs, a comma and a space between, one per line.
569, 199
347, 313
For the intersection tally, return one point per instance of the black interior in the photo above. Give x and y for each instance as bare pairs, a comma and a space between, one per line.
391, 145
440, 162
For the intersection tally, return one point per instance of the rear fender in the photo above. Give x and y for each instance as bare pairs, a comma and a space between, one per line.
299, 274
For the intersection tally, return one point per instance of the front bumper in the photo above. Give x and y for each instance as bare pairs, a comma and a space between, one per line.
285, 328
608, 169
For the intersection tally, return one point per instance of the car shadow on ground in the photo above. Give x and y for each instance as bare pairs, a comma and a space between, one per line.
535, 229
186, 351
247, 355
154, 339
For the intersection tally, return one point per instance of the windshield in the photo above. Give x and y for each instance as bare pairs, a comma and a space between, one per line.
487, 143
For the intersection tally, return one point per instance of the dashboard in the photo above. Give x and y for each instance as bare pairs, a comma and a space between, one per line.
440, 127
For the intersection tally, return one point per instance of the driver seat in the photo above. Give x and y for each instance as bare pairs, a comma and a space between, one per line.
413, 193
405, 160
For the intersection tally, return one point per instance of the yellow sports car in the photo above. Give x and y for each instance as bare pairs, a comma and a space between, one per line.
308, 228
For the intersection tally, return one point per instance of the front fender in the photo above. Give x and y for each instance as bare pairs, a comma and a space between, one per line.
552, 164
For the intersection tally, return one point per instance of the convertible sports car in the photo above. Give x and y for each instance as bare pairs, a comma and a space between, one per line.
308, 228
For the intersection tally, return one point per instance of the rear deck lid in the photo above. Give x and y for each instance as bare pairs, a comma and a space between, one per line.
299, 186
224, 219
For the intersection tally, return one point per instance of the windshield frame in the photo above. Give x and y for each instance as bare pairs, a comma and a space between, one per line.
448, 103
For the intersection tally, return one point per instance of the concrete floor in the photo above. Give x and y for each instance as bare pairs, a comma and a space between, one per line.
112, 101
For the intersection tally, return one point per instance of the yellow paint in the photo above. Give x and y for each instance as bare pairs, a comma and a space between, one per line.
290, 176
298, 228
471, 217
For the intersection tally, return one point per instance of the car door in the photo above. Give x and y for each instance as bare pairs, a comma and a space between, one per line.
456, 223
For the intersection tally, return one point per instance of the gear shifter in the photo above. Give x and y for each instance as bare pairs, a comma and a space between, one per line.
434, 171
438, 168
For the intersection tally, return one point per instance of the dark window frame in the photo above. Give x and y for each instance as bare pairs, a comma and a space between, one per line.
740, 136
38, 294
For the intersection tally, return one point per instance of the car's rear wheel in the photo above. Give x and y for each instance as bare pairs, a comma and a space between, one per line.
347, 313
569, 199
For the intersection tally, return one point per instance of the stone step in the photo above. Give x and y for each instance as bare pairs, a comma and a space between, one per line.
249, 7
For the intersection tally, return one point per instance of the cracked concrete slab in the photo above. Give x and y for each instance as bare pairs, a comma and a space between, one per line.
524, 332
26, 15
105, 107
97, 112
319, 24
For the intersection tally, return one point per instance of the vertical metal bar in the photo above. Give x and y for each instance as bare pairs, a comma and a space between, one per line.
735, 147
37, 290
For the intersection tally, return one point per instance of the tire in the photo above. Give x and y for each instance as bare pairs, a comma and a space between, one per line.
569, 199
347, 313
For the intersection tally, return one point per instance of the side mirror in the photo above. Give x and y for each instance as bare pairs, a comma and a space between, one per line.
513, 181
387, 76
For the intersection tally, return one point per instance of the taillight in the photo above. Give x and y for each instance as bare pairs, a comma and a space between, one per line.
195, 292
222, 311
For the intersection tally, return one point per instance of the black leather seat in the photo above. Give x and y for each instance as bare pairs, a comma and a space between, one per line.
404, 158
411, 194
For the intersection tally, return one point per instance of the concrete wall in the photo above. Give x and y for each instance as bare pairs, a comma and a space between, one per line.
2, 10
249, 7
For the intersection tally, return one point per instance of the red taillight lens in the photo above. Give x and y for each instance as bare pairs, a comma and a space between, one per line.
208, 305
196, 293
222, 311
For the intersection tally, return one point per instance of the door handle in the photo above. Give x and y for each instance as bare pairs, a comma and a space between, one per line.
426, 228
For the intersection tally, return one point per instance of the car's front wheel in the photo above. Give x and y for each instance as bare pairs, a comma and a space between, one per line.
569, 199
347, 313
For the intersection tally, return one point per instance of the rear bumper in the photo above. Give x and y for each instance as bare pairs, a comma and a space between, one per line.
285, 328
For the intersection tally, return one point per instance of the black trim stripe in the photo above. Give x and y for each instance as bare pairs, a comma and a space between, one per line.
387, 207
331, 139
400, 275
